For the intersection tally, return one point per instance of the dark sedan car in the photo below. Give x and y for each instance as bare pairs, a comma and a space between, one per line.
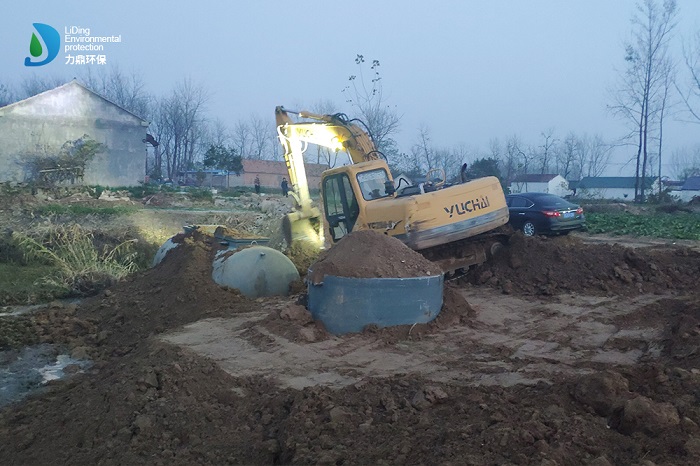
542, 213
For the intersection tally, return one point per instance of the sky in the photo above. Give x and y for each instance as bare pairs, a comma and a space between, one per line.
468, 71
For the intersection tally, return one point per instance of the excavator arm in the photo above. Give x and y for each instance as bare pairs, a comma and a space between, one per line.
335, 132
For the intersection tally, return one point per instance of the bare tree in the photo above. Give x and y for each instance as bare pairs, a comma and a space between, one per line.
547, 149
37, 84
241, 138
422, 150
664, 104
217, 134
639, 97
596, 154
514, 159
260, 132
566, 157
495, 149
690, 92
6, 95
685, 162
127, 91
179, 127
368, 98
450, 160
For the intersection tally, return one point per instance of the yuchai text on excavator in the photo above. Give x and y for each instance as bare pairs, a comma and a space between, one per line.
451, 224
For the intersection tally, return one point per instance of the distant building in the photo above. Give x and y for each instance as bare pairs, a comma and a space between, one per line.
204, 178
690, 189
614, 187
271, 173
43, 123
536, 183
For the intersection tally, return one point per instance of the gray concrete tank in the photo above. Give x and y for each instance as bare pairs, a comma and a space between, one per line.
256, 271
162, 251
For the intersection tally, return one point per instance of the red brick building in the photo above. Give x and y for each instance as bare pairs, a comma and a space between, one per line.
271, 173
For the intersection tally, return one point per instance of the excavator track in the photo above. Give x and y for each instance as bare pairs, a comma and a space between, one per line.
457, 257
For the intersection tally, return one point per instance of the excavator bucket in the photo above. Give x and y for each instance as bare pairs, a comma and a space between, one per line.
303, 226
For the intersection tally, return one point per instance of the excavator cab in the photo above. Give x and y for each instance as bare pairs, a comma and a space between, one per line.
346, 190
350, 191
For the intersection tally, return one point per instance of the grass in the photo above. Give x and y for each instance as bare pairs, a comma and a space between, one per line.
658, 225
200, 195
77, 210
21, 284
81, 266
68, 261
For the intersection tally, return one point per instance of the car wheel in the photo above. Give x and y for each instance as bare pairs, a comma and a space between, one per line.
529, 229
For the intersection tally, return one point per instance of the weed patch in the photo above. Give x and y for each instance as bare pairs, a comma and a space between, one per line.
79, 266
78, 209
23, 284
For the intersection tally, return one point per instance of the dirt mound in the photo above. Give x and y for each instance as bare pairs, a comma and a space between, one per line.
368, 254
540, 265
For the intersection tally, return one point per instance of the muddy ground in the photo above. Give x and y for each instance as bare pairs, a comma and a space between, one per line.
559, 351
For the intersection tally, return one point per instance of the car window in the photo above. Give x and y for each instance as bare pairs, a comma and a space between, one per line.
553, 201
520, 202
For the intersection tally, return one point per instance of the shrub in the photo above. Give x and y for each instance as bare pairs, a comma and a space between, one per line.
68, 164
201, 195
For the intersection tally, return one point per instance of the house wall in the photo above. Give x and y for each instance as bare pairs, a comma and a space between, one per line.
686, 195
267, 180
528, 187
559, 186
271, 173
623, 194
42, 124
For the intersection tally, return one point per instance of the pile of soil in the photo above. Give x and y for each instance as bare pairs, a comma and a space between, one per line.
368, 254
544, 266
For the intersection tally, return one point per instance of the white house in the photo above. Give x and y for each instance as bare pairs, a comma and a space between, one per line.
614, 187
43, 123
534, 183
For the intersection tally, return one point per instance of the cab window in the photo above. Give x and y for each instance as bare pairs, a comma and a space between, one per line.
372, 184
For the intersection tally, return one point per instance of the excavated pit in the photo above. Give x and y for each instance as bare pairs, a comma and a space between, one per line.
556, 352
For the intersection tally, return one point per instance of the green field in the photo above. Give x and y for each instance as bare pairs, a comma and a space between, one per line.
679, 225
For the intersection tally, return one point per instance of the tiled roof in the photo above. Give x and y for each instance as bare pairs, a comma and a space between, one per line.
534, 178
599, 182
691, 184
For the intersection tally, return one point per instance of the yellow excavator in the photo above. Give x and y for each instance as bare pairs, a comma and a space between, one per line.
454, 225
